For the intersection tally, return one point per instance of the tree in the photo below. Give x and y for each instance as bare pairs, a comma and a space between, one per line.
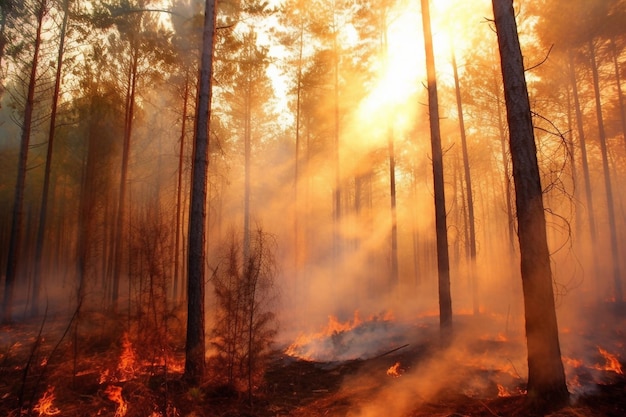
43, 212
16, 225
245, 325
194, 349
443, 261
546, 377
468, 186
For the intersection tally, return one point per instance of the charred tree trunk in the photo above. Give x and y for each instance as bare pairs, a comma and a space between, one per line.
15, 240
194, 349
443, 261
546, 377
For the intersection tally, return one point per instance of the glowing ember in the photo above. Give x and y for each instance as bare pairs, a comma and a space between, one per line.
395, 370
44, 406
612, 363
114, 393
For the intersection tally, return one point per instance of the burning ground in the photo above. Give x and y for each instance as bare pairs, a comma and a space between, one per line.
359, 368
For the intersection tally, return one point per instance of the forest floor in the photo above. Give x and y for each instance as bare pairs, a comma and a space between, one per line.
45, 374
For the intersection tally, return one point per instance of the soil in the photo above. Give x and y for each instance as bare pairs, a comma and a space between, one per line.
35, 367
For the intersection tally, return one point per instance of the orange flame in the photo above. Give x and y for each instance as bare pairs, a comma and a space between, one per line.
394, 370
44, 406
115, 394
126, 367
612, 363
333, 327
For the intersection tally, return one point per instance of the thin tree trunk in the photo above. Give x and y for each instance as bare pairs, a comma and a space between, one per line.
468, 186
507, 181
43, 213
296, 177
583, 150
195, 349
617, 279
546, 377
121, 208
18, 202
179, 190
620, 95
337, 187
443, 261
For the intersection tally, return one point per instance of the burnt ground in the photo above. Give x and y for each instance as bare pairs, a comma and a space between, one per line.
80, 376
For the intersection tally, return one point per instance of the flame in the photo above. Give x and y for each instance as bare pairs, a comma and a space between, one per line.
395, 370
574, 363
321, 344
503, 392
115, 394
126, 367
44, 406
612, 363
334, 326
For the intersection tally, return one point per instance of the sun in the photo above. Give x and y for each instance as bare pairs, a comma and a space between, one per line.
402, 73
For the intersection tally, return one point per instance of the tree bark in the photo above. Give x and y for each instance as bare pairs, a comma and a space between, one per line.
546, 378
194, 349
443, 261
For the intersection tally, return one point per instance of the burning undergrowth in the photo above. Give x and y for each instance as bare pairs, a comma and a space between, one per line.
352, 339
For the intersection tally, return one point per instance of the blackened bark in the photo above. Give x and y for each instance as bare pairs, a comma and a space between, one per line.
443, 261
546, 378
194, 349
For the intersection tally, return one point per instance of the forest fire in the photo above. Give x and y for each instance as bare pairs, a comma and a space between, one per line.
178, 203
352, 339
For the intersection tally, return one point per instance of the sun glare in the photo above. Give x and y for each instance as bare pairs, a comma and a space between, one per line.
391, 102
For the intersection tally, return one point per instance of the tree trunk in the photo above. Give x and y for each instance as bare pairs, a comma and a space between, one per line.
337, 242
179, 191
617, 279
507, 181
546, 378
443, 262
43, 213
583, 149
468, 187
194, 349
618, 82
18, 202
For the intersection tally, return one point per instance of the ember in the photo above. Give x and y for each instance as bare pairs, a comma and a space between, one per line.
395, 370
44, 406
